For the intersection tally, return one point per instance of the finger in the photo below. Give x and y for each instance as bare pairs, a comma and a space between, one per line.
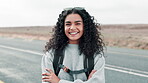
45, 74
49, 70
92, 72
45, 78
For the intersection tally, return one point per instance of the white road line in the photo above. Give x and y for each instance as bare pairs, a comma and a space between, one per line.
127, 54
127, 69
116, 68
22, 50
128, 72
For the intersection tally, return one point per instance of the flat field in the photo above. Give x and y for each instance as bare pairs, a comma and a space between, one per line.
119, 35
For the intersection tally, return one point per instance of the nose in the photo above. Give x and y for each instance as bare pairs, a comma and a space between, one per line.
73, 27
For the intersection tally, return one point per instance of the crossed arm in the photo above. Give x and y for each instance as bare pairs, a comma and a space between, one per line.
52, 78
48, 76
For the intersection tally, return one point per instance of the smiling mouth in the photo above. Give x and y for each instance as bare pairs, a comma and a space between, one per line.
73, 33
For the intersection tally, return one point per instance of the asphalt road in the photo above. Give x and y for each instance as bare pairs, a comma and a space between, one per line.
20, 62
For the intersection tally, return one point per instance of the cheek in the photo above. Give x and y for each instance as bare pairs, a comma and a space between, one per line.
82, 29
66, 30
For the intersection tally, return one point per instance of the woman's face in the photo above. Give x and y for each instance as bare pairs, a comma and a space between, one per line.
73, 28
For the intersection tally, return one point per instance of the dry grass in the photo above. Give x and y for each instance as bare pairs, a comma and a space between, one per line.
125, 35
131, 36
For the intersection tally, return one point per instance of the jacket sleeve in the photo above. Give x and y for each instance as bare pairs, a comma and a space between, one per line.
46, 62
97, 77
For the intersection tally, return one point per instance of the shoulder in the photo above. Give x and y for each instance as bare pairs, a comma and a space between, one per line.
98, 56
99, 60
49, 54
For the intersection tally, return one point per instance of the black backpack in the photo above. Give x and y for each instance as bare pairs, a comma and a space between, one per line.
58, 64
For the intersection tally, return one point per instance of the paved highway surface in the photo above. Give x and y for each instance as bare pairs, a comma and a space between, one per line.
20, 61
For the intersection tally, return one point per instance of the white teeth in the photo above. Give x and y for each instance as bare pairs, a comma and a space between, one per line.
73, 32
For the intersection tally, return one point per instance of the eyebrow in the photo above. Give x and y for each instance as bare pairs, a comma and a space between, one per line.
75, 21
67, 22
78, 21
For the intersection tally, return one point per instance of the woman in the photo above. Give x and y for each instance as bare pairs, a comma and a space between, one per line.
78, 39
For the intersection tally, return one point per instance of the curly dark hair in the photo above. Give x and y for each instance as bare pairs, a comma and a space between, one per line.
90, 42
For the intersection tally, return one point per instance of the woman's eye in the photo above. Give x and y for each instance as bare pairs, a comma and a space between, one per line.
78, 23
68, 24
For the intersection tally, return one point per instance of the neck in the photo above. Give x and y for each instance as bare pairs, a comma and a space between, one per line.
73, 42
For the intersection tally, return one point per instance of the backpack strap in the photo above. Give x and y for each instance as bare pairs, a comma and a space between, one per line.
88, 64
66, 69
58, 59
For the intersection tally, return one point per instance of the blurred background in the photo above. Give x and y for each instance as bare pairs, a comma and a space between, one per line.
26, 25
45, 12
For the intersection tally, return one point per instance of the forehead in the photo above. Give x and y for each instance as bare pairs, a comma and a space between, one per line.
73, 17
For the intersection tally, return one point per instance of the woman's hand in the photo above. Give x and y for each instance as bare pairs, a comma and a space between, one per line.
92, 72
50, 77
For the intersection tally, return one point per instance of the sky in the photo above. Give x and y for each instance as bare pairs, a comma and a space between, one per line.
46, 12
